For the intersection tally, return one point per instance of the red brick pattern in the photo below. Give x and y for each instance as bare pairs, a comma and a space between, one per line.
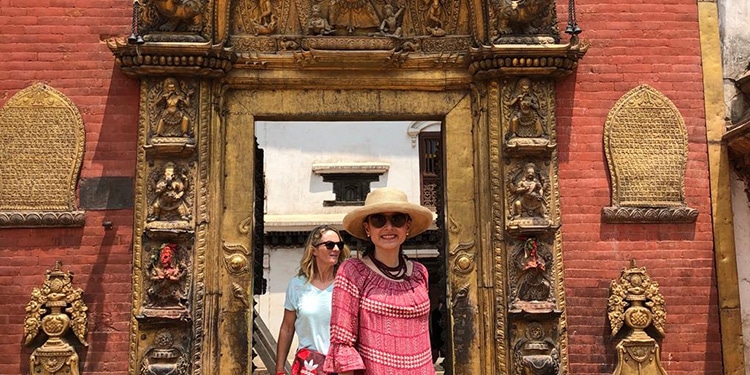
61, 43
633, 43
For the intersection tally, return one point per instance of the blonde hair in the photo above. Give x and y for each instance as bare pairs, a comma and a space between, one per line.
307, 265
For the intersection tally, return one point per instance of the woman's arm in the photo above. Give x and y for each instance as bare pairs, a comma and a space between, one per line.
286, 334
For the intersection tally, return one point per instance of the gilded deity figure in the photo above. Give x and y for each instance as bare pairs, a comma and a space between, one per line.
170, 195
173, 121
390, 24
166, 275
434, 17
525, 120
317, 24
353, 14
529, 190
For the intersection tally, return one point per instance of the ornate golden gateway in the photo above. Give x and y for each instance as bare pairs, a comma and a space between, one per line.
209, 69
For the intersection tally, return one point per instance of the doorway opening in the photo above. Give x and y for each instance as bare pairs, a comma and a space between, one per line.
310, 173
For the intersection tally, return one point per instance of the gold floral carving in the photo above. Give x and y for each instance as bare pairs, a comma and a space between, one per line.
43, 142
55, 308
635, 301
645, 142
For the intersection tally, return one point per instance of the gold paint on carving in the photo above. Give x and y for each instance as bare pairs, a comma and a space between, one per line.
645, 142
278, 59
55, 308
635, 301
43, 142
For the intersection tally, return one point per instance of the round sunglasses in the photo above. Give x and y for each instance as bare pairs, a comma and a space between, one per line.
397, 220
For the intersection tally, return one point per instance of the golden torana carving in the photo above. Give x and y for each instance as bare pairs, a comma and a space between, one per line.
645, 142
55, 308
43, 142
635, 301
485, 70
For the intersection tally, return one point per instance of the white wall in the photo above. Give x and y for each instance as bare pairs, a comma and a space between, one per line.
291, 149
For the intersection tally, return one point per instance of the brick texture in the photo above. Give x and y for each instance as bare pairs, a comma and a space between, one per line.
635, 43
61, 43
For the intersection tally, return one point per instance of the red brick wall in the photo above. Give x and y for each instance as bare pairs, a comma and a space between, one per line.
61, 43
633, 43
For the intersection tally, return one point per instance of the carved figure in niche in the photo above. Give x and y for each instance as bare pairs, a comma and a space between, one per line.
635, 301
534, 285
390, 25
317, 24
173, 121
170, 192
526, 121
435, 13
535, 353
55, 308
179, 15
522, 16
166, 277
164, 358
353, 14
529, 195
266, 22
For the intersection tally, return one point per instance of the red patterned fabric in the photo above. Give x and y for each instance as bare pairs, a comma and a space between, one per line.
379, 326
308, 362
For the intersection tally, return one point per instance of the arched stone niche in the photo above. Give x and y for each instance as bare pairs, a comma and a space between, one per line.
43, 141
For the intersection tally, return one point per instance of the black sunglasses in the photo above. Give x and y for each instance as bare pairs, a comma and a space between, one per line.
331, 244
397, 220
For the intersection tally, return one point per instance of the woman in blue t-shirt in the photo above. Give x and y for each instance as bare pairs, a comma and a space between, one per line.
307, 308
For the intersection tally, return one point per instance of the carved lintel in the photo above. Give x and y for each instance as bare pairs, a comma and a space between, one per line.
179, 146
156, 316
491, 62
521, 147
195, 59
42, 219
625, 215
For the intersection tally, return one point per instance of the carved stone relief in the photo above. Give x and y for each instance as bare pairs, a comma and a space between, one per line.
166, 354
523, 21
171, 195
645, 142
56, 309
173, 116
170, 21
43, 141
430, 18
167, 280
535, 352
529, 194
529, 275
635, 301
527, 115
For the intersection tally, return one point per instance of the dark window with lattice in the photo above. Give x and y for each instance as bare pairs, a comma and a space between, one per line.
350, 189
429, 159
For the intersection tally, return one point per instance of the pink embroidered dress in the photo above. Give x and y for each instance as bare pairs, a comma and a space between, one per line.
379, 326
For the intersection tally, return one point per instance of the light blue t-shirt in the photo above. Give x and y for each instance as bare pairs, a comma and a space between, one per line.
313, 308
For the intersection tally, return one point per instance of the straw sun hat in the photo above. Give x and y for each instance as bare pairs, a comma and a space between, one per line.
387, 200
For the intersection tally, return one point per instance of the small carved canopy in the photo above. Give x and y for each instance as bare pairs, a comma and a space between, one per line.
645, 142
43, 141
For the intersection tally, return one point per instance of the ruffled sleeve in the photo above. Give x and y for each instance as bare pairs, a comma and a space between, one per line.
342, 355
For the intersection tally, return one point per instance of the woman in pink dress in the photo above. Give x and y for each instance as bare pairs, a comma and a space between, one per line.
380, 312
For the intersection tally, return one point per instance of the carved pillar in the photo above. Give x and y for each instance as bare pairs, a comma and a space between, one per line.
517, 84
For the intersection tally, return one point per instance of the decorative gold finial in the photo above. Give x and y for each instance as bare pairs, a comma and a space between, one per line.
55, 308
635, 301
